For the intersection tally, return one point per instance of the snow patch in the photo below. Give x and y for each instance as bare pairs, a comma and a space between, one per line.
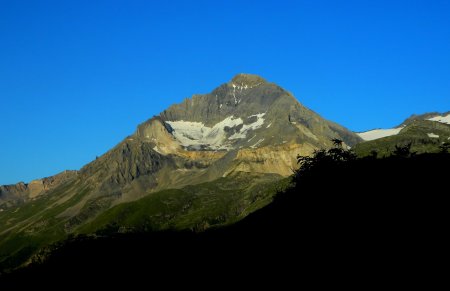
441, 119
257, 143
379, 133
251, 138
236, 100
240, 88
243, 86
247, 127
269, 125
197, 135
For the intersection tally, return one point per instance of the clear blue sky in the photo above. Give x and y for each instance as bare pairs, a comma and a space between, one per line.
76, 77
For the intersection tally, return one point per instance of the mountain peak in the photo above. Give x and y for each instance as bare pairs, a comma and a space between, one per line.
248, 80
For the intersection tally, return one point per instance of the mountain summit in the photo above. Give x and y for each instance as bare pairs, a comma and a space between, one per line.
247, 79
247, 112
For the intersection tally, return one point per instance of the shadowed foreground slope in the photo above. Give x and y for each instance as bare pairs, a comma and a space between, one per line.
365, 217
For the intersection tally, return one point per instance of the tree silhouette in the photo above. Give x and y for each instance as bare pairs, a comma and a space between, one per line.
403, 151
337, 142
323, 159
444, 148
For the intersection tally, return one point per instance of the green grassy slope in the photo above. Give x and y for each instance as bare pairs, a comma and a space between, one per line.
197, 207
415, 133
27, 229
33, 225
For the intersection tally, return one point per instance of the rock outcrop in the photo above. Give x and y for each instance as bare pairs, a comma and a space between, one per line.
11, 195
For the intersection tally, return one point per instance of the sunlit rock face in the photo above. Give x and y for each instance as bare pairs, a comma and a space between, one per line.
242, 117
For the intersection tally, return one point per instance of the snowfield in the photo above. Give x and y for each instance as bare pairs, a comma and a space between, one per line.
442, 119
198, 136
379, 133
432, 135
247, 127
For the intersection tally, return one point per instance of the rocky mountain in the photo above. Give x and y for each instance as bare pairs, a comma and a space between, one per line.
245, 125
380, 133
245, 128
433, 116
424, 133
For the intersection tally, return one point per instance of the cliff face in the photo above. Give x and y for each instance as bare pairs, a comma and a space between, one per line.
280, 159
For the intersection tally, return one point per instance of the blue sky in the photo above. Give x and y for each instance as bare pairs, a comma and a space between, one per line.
76, 77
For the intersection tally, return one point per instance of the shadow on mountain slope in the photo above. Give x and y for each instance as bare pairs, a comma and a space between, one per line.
345, 214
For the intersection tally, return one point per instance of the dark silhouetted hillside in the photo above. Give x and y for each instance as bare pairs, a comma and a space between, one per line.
344, 215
